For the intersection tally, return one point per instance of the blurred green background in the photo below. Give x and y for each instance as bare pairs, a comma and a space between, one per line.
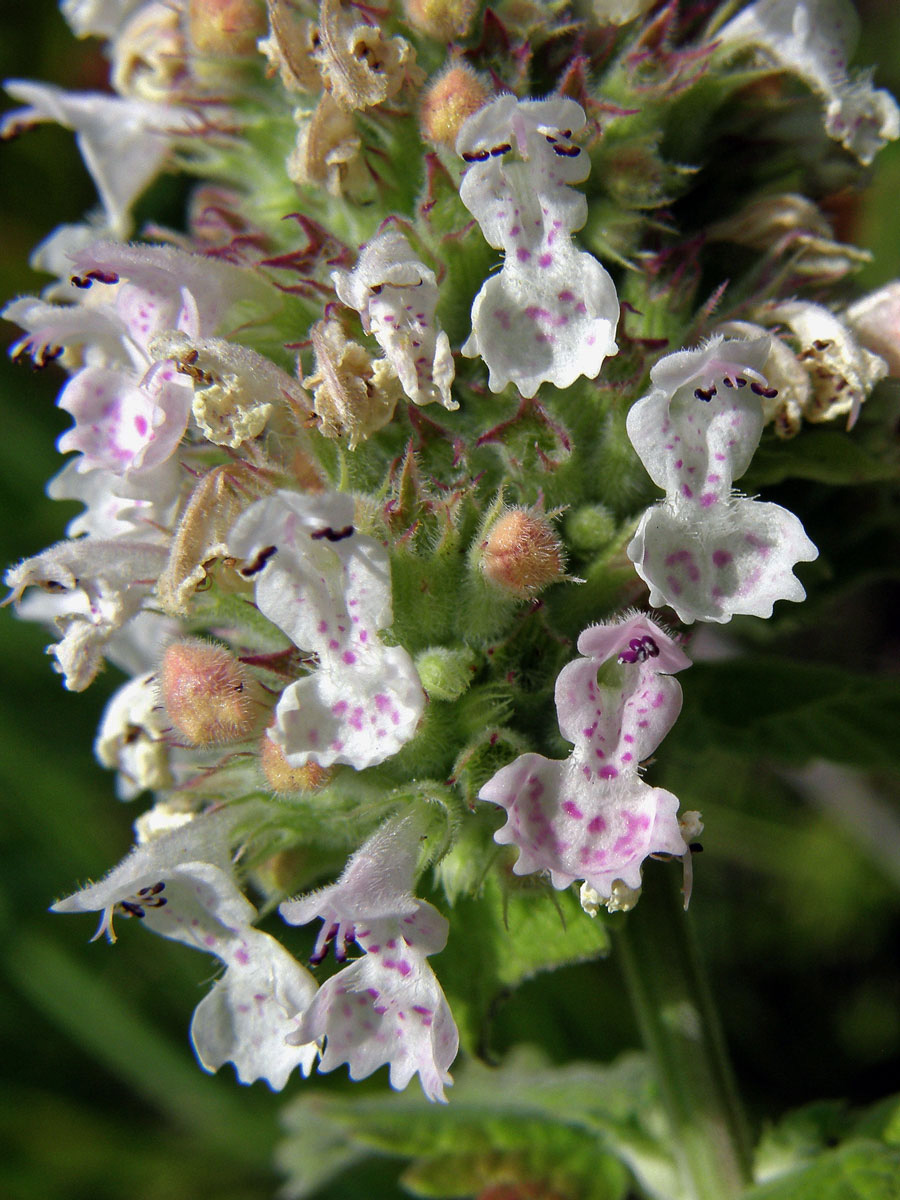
797, 903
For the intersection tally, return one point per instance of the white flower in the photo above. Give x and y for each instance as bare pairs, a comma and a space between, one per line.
96, 586
180, 886
396, 295
702, 550
124, 143
388, 1006
132, 737
591, 816
329, 588
550, 315
813, 39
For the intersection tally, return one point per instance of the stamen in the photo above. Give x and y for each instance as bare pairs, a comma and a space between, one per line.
705, 393
253, 568
766, 392
332, 535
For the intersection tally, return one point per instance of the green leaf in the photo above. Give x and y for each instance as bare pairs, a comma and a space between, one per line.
559, 1131
501, 938
781, 711
857, 1171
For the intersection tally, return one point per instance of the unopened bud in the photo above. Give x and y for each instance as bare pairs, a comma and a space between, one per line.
209, 696
590, 527
228, 27
443, 20
522, 554
445, 673
448, 101
284, 779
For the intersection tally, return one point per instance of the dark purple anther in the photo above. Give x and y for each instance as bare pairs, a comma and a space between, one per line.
332, 535
95, 276
639, 650
766, 392
705, 393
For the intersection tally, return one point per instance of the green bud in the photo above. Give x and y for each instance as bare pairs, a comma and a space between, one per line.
590, 528
446, 673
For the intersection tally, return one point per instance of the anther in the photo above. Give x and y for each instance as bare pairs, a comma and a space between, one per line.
332, 535
766, 392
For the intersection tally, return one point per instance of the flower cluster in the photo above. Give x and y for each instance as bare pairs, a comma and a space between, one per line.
330, 555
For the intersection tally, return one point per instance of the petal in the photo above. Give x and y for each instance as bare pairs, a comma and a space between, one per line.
124, 143
548, 324
615, 726
250, 1011
358, 708
611, 638
375, 886
738, 560
153, 299
131, 738
97, 585
575, 827
372, 1014
124, 422
699, 428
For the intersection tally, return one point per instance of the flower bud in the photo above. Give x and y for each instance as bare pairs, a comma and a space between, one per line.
282, 778
522, 554
209, 696
226, 27
590, 527
449, 100
443, 20
445, 673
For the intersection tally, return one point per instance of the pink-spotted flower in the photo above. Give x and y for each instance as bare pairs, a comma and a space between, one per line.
180, 885
550, 314
386, 1007
703, 550
395, 295
328, 586
130, 411
591, 816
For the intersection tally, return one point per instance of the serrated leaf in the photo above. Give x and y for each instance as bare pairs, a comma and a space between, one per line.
772, 709
857, 1171
559, 1129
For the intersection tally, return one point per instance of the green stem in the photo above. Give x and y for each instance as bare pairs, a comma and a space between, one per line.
681, 1032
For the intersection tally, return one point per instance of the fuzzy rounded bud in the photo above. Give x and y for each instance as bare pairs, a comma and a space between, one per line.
284, 779
443, 20
521, 553
590, 527
209, 696
448, 101
445, 674
229, 27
